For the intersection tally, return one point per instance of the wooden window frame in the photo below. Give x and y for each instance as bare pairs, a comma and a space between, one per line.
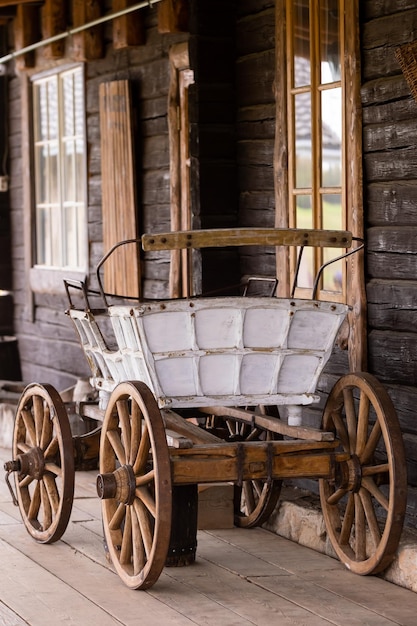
355, 339
182, 278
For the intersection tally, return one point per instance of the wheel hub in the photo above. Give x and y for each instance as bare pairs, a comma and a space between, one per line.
120, 485
31, 463
348, 474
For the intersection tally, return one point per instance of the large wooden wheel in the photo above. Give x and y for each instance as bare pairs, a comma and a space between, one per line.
135, 485
43, 462
254, 500
364, 506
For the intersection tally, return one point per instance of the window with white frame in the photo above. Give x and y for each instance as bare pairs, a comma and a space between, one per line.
60, 169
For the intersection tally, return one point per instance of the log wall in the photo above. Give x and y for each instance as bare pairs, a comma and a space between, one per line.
390, 176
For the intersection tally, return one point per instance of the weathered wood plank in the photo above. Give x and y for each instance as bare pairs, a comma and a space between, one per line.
393, 356
246, 237
392, 305
392, 202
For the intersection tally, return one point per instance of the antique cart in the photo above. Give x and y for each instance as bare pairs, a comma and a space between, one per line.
194, 392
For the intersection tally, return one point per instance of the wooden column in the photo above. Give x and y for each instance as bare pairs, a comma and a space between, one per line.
173, 16
53, 23
129, 29
88, 44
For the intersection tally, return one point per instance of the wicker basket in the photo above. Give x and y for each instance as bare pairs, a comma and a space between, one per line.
407, 58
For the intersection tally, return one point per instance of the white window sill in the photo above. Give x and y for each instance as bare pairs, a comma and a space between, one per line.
50, 280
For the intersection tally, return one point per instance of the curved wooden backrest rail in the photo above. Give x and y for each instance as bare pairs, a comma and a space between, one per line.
214, 238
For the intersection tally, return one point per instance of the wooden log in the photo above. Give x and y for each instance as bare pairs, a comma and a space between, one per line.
129, 29
246, 237
53, 23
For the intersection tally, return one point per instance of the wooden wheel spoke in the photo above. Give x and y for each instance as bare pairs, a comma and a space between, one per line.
46, 506
143, 451
35, 502
254, 435
53, 468
136, 432
341, 430
348, 520
23, 447
46, 435
138, 548
360, 529
29, 425
376, 470
145, 479
250, 502
39, 411
231, 427
116, 521
127, 540
369, 484
335, 497
52, 449
370, 516
117, 445
143, 494
350, 418
52, 491
26, 481
145, 526
124, 417
363, 422
371, 444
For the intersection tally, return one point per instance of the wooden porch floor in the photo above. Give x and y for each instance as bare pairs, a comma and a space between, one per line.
241, 577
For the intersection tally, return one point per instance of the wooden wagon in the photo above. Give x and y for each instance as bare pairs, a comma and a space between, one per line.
192, 394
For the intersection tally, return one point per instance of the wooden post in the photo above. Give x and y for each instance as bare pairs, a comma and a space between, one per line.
88, 44
129, 29
53, 23
26, 32
183, 542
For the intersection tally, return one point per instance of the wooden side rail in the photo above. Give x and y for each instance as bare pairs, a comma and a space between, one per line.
246, 237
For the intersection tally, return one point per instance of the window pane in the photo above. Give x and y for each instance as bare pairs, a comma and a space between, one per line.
303, 144
69, 173
52, 109
304, 219
330, 41
301, 43
43, 239
331, 137
332, 220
